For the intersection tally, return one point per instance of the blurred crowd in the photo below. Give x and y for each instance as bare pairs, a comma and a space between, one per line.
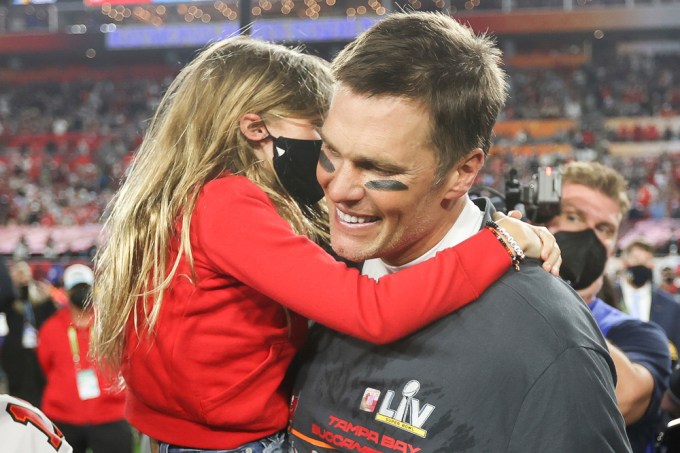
65, 145
37, 16
632, 86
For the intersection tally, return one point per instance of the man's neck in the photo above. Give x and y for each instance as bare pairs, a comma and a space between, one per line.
466, 223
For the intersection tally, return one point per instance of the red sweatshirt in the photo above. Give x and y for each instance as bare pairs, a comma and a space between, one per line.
61, 401
211, 376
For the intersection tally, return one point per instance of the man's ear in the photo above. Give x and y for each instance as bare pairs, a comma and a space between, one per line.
462, 176
253, 128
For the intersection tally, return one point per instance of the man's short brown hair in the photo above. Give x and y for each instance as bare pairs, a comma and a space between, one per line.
432, 59
598, 177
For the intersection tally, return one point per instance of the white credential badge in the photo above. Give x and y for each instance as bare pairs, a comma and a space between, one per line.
29, 339
88, 385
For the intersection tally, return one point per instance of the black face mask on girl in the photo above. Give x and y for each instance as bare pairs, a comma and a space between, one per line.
295, 164
639, 275
583, 257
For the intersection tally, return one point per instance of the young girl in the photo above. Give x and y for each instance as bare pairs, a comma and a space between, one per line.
208, 276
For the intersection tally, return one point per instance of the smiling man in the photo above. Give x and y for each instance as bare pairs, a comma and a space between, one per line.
377, 169
520, 370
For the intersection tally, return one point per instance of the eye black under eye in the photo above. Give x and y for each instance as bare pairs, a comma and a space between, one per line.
325, 162
387, 185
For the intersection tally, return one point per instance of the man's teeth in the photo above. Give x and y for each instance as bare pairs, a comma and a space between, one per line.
351, 219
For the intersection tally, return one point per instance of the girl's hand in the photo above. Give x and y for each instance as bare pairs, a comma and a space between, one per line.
535, 241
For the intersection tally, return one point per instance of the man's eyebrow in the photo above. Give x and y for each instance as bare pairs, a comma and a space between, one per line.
368, 162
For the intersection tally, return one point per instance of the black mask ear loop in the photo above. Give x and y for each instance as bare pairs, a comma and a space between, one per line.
277, 151
272, 138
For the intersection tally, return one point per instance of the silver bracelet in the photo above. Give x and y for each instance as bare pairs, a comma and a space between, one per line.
519, 253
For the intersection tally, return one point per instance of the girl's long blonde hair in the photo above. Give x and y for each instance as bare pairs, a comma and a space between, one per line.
194, 137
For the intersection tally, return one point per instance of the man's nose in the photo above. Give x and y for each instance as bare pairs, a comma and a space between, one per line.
345, 184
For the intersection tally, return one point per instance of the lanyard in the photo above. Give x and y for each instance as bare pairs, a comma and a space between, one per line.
73, 341
29, 314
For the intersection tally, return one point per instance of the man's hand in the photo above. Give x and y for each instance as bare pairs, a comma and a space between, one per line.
535, 241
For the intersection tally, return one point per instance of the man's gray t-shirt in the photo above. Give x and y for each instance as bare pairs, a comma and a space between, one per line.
523, 369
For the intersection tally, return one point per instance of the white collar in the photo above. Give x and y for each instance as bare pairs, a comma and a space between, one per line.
637, 301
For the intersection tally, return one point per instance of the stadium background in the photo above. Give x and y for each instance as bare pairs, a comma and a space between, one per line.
590, 79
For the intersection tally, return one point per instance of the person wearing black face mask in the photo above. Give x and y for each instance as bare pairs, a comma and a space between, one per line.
642, 298
593, 204
86, 407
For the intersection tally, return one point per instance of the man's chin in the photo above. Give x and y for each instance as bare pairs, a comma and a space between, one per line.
354, 253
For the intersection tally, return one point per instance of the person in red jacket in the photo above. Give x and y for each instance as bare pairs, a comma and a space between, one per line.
210, 271
78, 398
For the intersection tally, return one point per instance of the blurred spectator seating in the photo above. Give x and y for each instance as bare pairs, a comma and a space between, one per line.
67, 135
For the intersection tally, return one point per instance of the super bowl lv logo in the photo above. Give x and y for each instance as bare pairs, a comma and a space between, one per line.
408, 414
